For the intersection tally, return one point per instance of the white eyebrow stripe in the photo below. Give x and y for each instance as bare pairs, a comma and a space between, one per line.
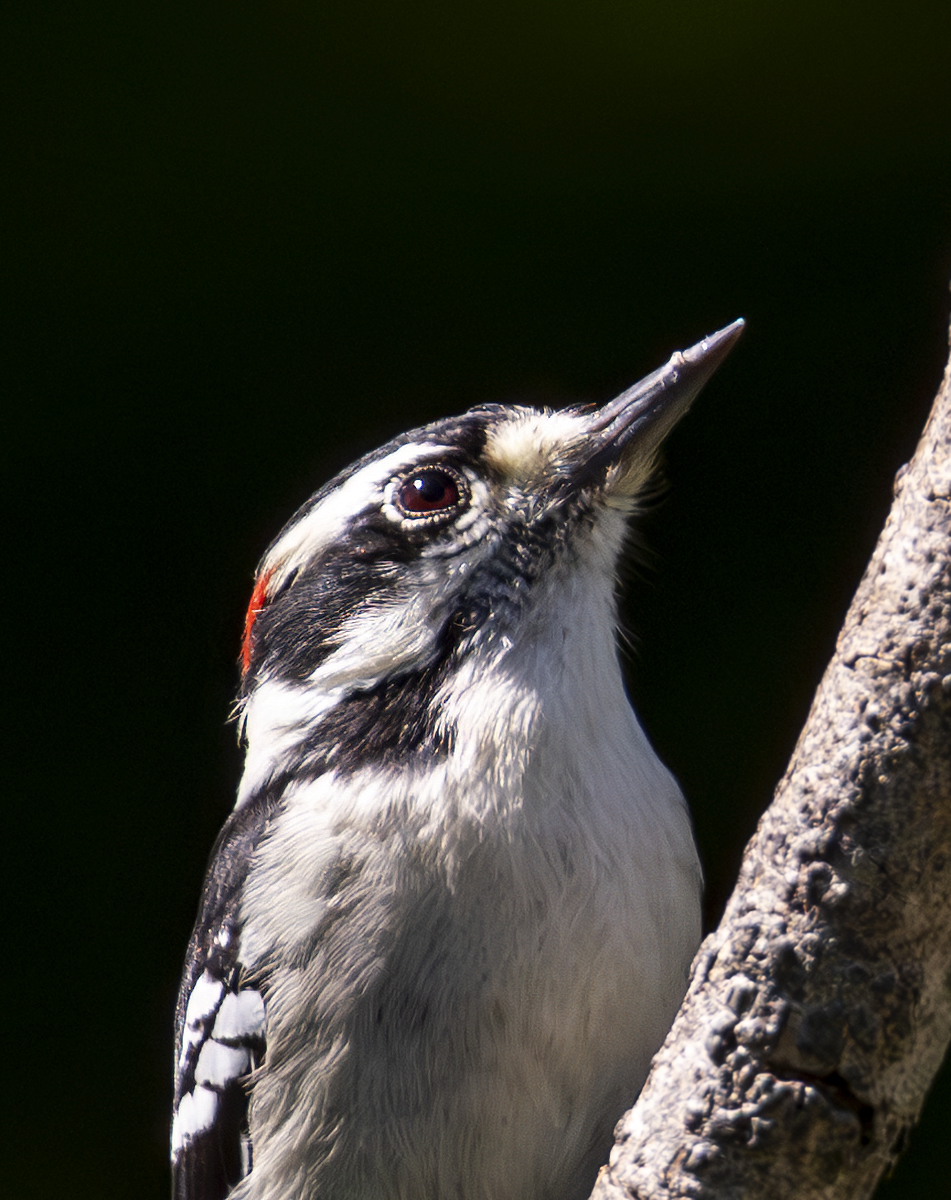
327, 520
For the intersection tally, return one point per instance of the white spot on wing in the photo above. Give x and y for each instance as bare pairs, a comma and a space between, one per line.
218, 1065
190, 1037
204, 999
195, 1114
241, 1016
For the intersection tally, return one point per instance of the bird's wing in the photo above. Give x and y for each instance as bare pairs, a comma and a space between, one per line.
219, 1025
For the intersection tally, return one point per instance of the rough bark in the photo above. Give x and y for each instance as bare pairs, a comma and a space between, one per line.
820, 1009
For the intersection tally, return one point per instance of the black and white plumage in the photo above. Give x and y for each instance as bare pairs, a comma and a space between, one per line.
450, 919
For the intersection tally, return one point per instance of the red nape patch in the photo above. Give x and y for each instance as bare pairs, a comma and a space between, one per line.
258, 601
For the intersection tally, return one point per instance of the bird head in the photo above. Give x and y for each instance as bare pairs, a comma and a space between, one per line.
454, 537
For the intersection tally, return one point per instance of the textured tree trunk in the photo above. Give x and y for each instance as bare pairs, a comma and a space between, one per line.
820, 1009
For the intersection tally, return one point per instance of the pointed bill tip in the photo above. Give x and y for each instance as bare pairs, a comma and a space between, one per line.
628, 430
665, 395
713, 349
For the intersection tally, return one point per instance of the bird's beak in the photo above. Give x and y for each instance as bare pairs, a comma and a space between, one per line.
622, 438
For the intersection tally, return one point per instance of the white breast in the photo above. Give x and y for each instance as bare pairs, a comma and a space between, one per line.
489, 948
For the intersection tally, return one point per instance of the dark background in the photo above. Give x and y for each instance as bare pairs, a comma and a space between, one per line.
244, 243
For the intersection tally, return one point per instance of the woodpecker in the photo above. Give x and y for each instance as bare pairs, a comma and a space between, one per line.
450, 918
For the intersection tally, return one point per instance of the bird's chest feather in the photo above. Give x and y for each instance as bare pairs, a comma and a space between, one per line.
494, 941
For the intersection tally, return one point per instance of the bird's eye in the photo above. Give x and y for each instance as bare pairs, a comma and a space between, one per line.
430, 490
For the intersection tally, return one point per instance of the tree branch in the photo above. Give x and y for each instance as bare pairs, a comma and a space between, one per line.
820, 1009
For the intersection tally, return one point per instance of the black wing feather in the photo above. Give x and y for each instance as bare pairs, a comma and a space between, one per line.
213, 1154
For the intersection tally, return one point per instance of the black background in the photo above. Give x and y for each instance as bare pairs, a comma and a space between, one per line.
244, 243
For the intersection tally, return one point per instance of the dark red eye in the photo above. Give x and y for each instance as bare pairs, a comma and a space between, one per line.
429, 491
